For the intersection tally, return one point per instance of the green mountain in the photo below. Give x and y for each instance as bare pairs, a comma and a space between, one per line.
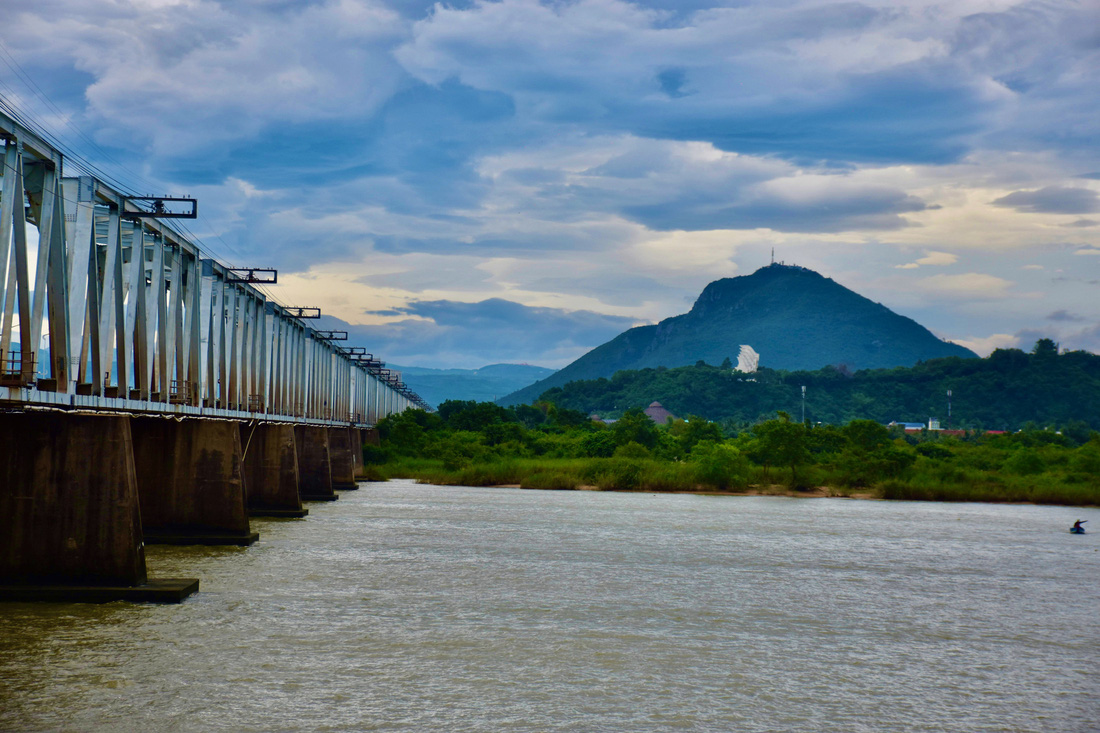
793, 317
481, 385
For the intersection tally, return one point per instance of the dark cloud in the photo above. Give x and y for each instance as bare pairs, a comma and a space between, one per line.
1052, 200
613, 288
877, 210
1085, 340
1028, 336
1082, 223
672, 82
905, 115
1063, 315
444, 333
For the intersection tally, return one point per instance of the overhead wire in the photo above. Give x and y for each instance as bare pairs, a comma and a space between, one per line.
12, 63
72, 157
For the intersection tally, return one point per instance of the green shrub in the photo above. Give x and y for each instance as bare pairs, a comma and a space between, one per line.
635, 451
934, 451
620, 473
372, 472
374, 455
668, 476
719, 465
552, 480
1025, 462
600, 444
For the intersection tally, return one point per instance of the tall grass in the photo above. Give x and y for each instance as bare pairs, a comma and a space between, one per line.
991, 486
926, 481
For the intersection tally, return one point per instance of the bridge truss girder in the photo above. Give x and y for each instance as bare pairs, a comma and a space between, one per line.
136, 319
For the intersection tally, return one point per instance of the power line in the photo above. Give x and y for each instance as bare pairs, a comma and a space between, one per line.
11, 62
70, 156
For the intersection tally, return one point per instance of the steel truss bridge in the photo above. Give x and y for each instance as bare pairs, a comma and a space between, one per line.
138, 321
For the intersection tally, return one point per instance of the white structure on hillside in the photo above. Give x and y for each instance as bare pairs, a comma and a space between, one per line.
748, 359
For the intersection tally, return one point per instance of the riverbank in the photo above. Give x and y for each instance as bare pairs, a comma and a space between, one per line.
652, 476
816, 492
485, 445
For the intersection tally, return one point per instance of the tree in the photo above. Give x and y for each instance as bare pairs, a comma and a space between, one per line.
866, 435
1045, 349
571, 419
408, 431
471, 415
781, 443
530, 415
719, 465
635, 426
693, 430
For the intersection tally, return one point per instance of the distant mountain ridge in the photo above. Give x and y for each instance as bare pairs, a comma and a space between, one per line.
482, 385
794, 317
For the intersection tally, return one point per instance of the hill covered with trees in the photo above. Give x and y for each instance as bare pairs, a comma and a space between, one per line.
794, 317
1008, 390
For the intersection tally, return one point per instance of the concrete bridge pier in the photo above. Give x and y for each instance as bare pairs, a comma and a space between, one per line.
70, 522
314, 465
271, 470
342, 449
189, 482
356, 450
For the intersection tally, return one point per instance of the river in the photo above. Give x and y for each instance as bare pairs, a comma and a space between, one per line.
404, 607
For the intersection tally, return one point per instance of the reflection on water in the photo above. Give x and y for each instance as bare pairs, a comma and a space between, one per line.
405, 607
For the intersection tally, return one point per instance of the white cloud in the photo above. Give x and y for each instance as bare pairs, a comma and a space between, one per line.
602, 155
184, 78
938, 258
985, 345
931, 258
967, 285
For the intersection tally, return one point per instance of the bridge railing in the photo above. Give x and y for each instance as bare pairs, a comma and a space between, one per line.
125, 312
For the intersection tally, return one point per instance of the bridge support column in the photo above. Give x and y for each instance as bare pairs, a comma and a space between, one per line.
356, 450
314, 466
70, 524
342, 455
190, 483
271, 471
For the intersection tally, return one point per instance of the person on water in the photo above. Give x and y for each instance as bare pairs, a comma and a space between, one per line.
1077, 525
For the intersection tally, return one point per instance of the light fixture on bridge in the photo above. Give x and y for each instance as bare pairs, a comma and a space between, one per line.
157, 207
303, 312
331, 335
261, 275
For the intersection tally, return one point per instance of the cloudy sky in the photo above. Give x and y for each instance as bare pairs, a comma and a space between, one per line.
475, 182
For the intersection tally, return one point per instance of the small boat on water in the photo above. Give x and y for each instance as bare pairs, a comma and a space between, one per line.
1077, 530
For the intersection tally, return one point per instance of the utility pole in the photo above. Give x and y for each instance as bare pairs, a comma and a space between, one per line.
948, 409
803, 404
